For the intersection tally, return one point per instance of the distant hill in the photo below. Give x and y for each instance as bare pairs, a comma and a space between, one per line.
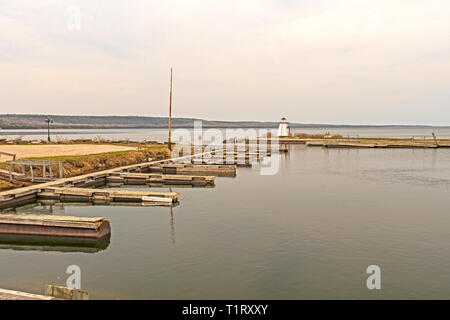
36, 121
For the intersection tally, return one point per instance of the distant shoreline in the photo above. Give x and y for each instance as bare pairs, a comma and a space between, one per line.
37, 121
15, 130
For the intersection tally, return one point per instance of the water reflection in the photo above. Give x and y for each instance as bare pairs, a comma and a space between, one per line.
56, 207
49, 243
172, 224
44, 207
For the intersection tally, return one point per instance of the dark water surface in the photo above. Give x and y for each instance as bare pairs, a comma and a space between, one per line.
309, 231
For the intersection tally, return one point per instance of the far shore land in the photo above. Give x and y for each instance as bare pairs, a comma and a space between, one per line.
17, 122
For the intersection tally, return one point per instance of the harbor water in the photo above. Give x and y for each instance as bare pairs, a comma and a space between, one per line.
308, 232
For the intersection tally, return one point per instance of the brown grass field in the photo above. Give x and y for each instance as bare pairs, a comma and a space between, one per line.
54, 150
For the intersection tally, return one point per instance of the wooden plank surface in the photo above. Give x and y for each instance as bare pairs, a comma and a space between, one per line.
90, 192
51, 221
18, 295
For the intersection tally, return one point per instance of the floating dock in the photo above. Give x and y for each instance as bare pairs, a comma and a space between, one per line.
52, 292
58, 226
80, 188
219, 161
236, 156
159, 179
182, 169
371, 143
18, 196
255, 152
107, 195
269, 141
18, 295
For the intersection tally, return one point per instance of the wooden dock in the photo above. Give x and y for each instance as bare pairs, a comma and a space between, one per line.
69, 189
60, 226
377, 143
18, 295
354, 142
236, 156
219, 161
160, 179
243, 153
181, 169
52, 292
223, 159
79, 188
106, 195
281, 140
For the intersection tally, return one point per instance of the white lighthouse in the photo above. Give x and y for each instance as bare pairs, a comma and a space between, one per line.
283, 129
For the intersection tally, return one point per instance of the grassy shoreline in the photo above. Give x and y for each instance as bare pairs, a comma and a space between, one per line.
82, 164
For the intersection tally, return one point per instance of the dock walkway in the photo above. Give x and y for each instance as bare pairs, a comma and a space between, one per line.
77, 188
27, 194
17, 295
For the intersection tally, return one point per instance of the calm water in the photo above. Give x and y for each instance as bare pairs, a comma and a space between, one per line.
160, 135
308, 232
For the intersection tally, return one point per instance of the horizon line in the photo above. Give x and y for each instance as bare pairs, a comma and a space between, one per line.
233, 121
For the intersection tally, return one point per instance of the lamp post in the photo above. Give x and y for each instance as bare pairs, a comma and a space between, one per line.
170, 113
48, 120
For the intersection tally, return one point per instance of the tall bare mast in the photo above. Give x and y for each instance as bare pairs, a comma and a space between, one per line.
170, 111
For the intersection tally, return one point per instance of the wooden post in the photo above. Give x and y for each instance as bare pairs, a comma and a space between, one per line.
43, 171
10, 173
257, 144
60, 170
23, 169
435, 140
50, 171
170, 112
32, 175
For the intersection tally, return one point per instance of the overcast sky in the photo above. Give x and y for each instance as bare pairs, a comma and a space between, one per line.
341, 61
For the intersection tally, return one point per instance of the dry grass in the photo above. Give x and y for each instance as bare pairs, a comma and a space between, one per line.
51, 150
83, 164
5, 185
317, 136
